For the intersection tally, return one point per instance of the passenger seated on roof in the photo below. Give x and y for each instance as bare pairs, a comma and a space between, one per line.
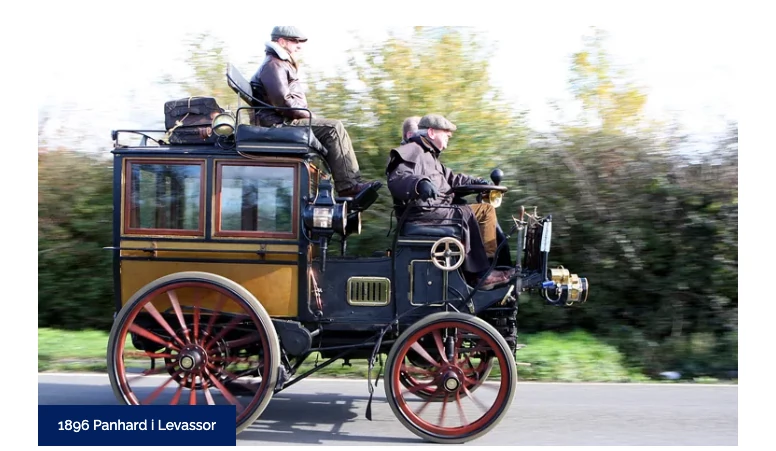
415, 172
276, 83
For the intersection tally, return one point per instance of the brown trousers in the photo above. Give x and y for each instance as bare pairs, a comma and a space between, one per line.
486, 217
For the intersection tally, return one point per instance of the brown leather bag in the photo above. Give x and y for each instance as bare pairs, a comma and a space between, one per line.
190, 111
189, 120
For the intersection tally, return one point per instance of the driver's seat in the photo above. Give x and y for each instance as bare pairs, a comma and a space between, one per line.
445, 227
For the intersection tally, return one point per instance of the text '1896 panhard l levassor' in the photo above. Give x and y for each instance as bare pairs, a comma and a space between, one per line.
223, 285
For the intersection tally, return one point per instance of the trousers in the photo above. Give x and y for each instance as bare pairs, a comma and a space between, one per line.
341, 157
487, 220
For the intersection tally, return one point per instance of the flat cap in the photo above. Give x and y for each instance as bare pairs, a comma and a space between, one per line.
437, 122
285, 31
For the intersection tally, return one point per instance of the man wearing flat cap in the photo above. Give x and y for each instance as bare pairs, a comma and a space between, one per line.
277, 83
415, 174
408, 128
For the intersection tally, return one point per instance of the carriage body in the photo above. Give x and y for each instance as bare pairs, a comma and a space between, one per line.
225, 284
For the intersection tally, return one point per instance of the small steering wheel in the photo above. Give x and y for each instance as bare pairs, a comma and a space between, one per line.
447, 254
465, 190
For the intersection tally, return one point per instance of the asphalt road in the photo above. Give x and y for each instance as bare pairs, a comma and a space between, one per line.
331, 412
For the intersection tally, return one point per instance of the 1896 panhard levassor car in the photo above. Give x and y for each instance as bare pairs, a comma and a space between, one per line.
223, 285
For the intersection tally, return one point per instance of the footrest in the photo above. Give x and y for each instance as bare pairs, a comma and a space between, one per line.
366, 198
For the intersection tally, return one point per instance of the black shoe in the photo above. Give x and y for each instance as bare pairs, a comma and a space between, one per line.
364, 198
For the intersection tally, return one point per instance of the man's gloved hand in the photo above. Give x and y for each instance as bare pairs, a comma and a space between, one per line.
480, 181
427, 190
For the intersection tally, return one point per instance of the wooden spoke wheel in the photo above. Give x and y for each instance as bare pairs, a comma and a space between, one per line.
194, 338
479, 366
444, 355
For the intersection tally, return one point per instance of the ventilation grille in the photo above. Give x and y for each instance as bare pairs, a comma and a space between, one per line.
369, 291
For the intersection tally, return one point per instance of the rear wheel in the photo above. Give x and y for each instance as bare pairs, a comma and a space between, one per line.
194, 338
440, 353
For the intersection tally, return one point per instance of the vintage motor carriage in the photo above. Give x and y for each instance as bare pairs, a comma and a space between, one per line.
225, 286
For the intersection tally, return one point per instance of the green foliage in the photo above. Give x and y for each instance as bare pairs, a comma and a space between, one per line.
75, 207
554, 357
607, 97
207, 59
572, 357
656, 236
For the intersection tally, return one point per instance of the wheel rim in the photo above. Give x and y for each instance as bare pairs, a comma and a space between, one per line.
200, 343
462, 413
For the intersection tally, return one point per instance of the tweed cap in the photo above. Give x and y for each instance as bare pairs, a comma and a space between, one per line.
437, 122
285, 31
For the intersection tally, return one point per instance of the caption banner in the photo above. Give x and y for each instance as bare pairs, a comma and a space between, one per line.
122, 425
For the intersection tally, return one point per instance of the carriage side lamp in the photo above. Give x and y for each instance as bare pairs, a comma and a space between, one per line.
324, 217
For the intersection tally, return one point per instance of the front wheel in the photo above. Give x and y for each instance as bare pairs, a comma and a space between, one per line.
438, 353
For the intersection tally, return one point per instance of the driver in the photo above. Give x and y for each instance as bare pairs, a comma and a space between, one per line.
415, 172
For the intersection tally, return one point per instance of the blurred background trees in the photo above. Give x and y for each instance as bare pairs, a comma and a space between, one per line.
652, 222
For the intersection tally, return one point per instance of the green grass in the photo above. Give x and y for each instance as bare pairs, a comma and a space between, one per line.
548, 357
572, 357
60, 350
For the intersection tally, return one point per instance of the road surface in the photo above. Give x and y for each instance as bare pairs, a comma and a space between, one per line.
331, 412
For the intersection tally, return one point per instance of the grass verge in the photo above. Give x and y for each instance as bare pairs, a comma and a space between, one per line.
547, 357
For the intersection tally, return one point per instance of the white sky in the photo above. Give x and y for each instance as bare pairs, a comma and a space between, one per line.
101, 68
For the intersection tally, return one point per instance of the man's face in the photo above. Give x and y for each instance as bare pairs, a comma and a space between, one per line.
292, 46
439, 137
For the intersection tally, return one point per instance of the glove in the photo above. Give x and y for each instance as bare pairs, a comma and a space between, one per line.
426, 190
480, 181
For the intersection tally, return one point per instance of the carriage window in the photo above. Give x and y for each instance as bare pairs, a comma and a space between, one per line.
165, 196
258, 199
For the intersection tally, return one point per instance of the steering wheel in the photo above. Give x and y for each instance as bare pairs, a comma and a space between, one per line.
465, 190
447, 254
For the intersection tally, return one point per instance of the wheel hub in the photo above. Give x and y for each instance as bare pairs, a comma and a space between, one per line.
451, 382
192, 357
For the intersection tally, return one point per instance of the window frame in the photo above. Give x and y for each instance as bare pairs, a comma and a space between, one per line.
152, 231
217, 186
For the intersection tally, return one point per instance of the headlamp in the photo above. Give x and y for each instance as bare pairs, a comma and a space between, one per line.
494, 198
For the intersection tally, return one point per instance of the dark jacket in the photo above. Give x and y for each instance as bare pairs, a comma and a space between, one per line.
419, 160
277, 83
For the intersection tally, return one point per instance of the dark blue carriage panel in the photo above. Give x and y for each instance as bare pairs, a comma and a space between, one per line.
356, 291
421, 287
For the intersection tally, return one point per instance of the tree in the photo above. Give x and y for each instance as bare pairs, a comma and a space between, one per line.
386, 82
607, 98
207, 58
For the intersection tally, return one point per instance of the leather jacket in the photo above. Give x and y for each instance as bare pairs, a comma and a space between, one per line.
277, 83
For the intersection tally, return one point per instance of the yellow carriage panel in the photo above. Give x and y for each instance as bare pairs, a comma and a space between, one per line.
275, 286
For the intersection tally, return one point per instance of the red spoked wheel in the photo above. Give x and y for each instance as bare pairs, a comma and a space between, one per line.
479, 368
194, 338
443, 353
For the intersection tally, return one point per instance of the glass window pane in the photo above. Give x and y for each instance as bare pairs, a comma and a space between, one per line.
257, 199
165, 196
